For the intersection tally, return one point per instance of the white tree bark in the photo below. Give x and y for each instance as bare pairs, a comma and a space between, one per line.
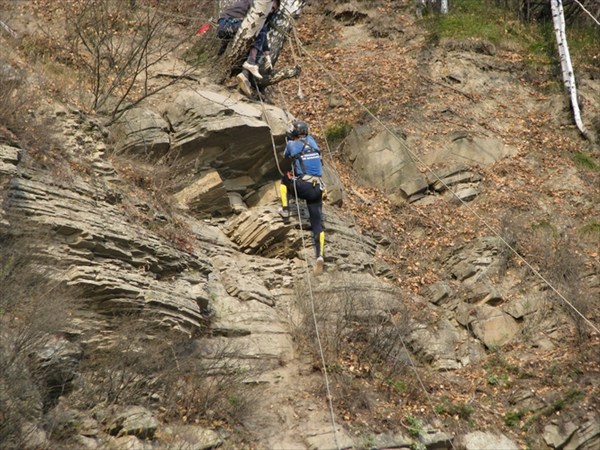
251, 25
568, 75
444, 6
282, 23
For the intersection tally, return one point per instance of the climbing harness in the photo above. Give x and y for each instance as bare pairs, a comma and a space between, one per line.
417, 159
438, 179
306, 154
310, 289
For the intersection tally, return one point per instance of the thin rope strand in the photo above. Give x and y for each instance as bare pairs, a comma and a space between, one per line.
465, 204
310, 290
270, 128
314, 316
587, 12
372, 268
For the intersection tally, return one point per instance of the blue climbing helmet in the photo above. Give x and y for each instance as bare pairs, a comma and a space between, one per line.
299, 128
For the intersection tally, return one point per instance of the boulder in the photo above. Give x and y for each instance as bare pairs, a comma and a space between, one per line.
324, 439
266, 195
391, 440
492, 326
190, 437
438, 293
471, 150
9, 158
58, 362
523, 307
483, 440
587, 435
211, 130
34, 437
436, 440
127, 443
256, 230
481, 259
206, 197
448, 347
241, 281
556, 436
466, 193
383, 161
142, 134
453, 175
133, 421
333, 184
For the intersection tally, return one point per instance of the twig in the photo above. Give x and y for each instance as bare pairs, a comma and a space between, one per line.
177, 77
362, 197
9, 30
469, 96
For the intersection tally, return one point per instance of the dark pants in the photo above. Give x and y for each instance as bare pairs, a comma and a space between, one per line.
313, 195
229, 27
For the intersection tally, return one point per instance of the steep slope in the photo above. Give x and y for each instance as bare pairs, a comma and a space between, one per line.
417, 300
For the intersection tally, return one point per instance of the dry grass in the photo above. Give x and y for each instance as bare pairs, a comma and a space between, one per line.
359, 340
558, 255
33, 302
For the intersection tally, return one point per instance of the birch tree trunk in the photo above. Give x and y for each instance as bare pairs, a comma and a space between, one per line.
444, 6
281, 24
568, 75
238, 49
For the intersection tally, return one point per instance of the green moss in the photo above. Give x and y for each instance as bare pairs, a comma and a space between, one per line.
450, 408
546, 226
337, 132
586, 161
512, 418
398, 385
415, 426
592, 228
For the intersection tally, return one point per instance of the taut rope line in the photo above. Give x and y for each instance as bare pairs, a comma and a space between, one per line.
309, 284
465, 204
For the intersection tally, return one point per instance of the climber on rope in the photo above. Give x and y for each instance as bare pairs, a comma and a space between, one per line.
305, 181
229, 24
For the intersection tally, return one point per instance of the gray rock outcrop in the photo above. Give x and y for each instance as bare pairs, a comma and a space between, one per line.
384, 161
481, 440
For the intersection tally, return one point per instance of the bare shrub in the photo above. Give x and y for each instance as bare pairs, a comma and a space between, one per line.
211, 387
357, 331
13, 96
117, 44
508, 233
32, 309
560, 260
20, 122
153, 186
137, 362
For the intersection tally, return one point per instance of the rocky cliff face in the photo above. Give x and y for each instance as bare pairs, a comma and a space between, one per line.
164, 230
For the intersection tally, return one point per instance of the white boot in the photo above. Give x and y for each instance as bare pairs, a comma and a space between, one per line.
319, 266
244, 84
253, 69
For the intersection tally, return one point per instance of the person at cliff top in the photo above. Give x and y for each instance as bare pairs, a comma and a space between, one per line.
306, 182
229, 23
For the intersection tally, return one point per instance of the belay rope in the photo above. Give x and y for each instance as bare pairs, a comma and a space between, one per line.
308, 282
415, 157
